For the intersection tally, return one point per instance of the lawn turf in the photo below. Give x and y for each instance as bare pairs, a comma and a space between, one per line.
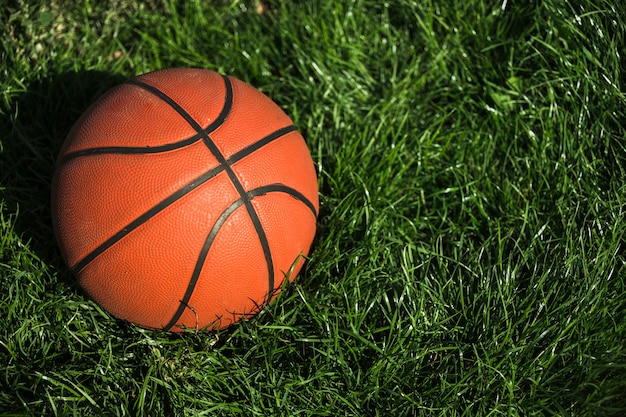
470, 253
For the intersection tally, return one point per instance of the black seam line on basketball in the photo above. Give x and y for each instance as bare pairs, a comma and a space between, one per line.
181, 192
237, 156
130, 150
228, 105
208, 242
141, 150
281, 188
123, 150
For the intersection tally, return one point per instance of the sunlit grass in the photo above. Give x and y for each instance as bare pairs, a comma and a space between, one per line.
469, 259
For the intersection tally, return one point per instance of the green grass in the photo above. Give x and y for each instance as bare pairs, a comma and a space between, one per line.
470, 253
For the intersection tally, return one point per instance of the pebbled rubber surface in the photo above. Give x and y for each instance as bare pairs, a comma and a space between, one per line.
183, 198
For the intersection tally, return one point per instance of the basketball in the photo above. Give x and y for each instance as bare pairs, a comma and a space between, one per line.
184, 199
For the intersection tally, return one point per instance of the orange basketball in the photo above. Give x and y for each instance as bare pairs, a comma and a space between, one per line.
183, 199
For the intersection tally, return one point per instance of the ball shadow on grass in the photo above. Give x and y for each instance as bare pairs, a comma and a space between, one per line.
35, 126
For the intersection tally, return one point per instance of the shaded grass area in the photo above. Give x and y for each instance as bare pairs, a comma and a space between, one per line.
469, 258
